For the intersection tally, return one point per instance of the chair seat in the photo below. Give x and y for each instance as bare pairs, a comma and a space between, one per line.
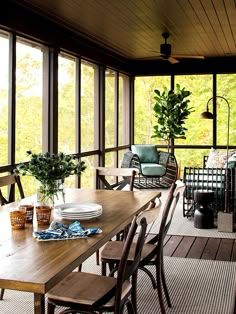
113, 250
87, 289
151, 169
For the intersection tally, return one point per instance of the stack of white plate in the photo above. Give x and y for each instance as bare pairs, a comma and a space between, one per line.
78, 211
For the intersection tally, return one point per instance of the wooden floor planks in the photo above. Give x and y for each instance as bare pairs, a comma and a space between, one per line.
183, 247
226, 246
200, 248
197, 248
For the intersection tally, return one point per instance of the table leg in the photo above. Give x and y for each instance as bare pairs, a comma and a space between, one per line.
39, 303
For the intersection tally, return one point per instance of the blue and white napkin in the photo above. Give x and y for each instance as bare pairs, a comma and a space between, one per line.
60, 231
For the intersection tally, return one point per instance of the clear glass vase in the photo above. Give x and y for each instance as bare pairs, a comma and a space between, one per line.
51, 193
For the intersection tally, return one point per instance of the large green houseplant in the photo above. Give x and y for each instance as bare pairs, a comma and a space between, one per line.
171, 109
50, 170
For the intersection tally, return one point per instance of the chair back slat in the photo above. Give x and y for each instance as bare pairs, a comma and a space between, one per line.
175, 191
169, 209
178, 191
123, 177
151, 213
116, 171
125, 269
10, 181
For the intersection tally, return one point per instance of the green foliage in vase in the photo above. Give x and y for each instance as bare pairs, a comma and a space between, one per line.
50, 170
171, 110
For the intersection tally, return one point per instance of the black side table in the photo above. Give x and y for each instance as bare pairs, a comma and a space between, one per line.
203, 214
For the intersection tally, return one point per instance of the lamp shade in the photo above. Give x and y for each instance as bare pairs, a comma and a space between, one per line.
206, 115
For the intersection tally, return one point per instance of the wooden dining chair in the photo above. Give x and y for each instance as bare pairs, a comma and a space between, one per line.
151, 214
152, 253
85, 292
122, 177
9, 181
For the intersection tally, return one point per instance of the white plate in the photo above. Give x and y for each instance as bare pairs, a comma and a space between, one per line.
79, 218
79, 214
78, 207
81, 211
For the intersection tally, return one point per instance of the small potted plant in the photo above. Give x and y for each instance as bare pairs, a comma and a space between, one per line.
50, 170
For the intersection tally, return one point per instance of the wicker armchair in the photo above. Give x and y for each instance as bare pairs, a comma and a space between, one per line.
166, 162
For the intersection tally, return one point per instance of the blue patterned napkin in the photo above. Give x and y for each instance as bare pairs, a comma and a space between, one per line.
60, 231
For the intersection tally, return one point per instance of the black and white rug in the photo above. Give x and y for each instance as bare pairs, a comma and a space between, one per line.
195, 286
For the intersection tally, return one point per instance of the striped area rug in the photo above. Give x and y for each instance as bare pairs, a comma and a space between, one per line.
195, 286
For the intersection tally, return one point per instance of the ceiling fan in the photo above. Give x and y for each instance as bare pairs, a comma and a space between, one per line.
165, 52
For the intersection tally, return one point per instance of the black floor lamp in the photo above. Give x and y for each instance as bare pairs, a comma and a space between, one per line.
208, 115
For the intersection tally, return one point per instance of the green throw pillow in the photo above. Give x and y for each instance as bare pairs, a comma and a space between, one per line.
231, 161
147, 153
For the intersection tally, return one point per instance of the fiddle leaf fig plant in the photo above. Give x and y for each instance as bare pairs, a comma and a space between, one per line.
171, 109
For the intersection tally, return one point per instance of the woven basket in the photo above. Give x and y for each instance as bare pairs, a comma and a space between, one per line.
43, 214
17, 219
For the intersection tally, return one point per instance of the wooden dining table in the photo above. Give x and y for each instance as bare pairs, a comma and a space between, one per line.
37, 266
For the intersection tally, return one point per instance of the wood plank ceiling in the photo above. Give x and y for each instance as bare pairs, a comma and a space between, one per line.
133, 28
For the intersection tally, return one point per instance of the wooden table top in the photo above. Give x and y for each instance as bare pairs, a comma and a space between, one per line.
34, 266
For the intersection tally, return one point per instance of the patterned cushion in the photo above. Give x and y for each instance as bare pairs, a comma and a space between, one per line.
217, 159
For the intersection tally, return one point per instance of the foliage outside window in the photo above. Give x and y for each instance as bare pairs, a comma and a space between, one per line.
199, 131
29, 108
89, 107
110, 161
32, 114
143, 109
226, 86
123, 110
88, 180
66, 104
29, 102
4, 60
110, 103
